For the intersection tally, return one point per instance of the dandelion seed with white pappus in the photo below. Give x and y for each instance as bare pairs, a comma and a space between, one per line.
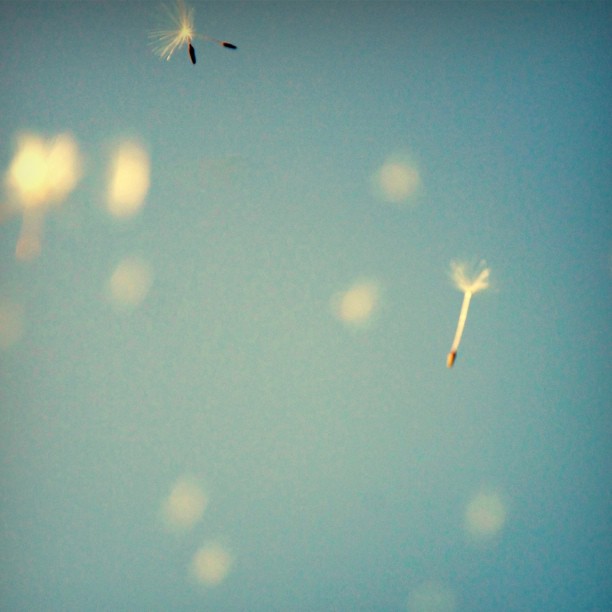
469, 285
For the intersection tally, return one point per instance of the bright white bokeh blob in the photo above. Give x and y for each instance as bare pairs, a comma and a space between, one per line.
397, 181
41, 174
130, 283
185, 505
11, 323
357, 305
485, 516
432, 596
211, 564
43, 171
128, 180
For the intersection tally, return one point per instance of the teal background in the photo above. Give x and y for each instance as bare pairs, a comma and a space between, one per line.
338, 463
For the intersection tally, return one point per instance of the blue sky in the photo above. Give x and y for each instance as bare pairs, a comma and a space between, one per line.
338, 457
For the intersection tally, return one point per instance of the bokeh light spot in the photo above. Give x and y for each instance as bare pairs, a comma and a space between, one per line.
185, 505
210, 564
42, 173
432, 596
485, 515
356, 306
397, 180
128, 182
130, 283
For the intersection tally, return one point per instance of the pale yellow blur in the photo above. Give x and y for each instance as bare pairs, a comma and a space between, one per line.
11, 323
485, 515
432, 596
41, 174
210, 564
128, 180
185, 505
397, 180
130, 283
357, 305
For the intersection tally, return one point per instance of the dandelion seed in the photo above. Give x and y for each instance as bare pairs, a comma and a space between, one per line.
192, 56
166, 42
469, 286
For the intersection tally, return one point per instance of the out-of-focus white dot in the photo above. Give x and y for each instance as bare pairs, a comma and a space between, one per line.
397, 180
356, 306
130, 283
42, 174
210, 564
128, 181
432, 596
485, 515
43, 171
185, 505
